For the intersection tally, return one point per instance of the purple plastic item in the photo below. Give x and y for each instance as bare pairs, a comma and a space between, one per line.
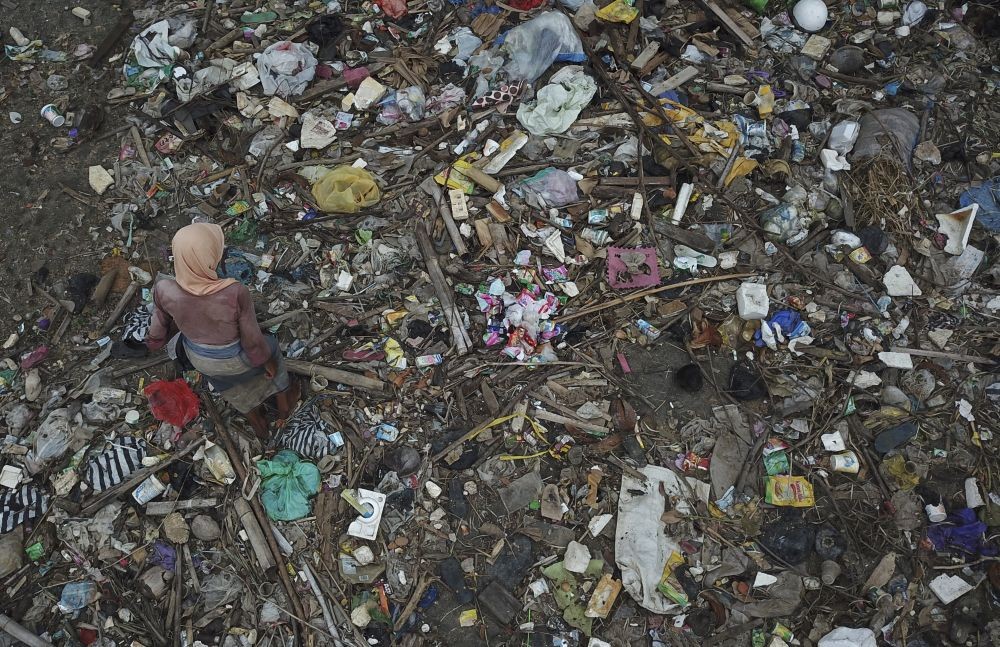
961, 532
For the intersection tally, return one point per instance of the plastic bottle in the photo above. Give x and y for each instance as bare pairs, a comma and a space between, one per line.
798, 148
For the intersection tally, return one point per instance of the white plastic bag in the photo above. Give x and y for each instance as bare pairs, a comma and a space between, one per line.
558, 104
286, 68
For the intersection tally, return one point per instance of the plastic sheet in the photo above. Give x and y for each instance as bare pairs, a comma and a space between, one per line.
151, 57
550, 187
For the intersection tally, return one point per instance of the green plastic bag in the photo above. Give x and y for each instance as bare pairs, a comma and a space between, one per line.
287, 484
346, 189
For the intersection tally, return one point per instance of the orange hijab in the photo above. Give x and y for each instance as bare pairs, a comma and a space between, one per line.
197, 251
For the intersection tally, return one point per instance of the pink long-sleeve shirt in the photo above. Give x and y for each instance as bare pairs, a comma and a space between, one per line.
215, 319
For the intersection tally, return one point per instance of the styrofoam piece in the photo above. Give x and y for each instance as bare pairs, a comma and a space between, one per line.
949, 588
896, 360
367, 527
752, 301
577, 557
957, 226
899, 283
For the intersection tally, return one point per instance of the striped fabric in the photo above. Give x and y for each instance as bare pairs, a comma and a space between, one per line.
116, 463
306, 433
20, 505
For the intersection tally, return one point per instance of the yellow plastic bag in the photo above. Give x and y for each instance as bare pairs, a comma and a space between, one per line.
346, 189
618, 11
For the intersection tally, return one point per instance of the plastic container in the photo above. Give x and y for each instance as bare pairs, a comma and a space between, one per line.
51, 114
149, 490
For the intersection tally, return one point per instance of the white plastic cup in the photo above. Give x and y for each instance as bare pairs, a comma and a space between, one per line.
935, 513
51, 114
845, 462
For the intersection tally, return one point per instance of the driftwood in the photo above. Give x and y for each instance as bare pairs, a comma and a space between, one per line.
123, 302
431, 188
335, 374
222, 431
257, 539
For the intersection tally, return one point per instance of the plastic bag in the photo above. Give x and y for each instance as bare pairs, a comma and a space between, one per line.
172, 401
51, 440
152, 57
287, 485
550, 187
535, 45
890, 128
987, 196
346, 189
286, 68
558, 104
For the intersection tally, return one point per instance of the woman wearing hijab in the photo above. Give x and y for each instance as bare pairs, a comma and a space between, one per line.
219, 330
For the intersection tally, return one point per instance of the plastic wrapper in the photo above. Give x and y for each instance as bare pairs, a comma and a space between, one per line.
286, 68
535, 45
346, 189
287, 485
172, 401
550, 187
558, 104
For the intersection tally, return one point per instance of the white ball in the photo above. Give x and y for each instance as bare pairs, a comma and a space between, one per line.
810, 15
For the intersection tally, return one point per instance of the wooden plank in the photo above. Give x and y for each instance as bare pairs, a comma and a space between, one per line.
676, 80
728, 23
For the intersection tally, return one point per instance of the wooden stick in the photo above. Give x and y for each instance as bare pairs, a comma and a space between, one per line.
418, 592
650, 291
334, 374
151, 363
163, 508
728, 23
542, 414
130, 291
459, 335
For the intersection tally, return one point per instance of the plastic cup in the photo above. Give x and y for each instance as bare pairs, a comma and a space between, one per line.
935, 513
51, 114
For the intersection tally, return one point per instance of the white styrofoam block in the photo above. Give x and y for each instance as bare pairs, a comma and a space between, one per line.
752, 301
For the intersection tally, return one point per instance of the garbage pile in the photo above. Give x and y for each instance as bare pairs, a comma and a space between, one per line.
618, 323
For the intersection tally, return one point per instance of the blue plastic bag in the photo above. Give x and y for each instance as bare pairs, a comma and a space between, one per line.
987, 196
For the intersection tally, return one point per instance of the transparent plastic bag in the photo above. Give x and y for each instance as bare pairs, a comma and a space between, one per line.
535, 45
346, 189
